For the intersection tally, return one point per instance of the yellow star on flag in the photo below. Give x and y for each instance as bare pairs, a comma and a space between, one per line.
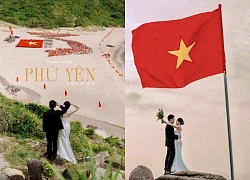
182, 53
32, 43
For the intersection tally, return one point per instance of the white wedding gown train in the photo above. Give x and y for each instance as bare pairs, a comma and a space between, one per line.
178, 164
65, 150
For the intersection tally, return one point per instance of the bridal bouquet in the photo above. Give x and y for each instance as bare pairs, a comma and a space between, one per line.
160, 114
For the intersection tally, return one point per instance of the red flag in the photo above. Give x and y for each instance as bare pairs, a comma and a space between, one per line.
30, 43
44, 86
172, 54
65, 93
99, 104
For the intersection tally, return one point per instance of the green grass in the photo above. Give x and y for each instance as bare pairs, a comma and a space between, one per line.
23, 124
77, 174
16, 119
80, 139
67, 13
19, 155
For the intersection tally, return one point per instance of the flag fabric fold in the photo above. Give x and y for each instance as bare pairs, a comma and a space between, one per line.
173, 54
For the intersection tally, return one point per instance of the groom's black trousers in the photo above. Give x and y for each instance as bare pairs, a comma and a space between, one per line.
169, 157
52, 138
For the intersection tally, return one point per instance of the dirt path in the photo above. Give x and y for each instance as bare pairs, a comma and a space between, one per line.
3, 162
3, 144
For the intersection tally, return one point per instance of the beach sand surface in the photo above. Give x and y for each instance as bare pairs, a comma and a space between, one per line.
108, 87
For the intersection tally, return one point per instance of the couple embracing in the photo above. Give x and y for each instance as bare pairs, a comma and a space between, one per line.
173, 161
53, 122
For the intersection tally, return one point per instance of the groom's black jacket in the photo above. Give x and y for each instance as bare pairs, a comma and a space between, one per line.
170, 136
52, 120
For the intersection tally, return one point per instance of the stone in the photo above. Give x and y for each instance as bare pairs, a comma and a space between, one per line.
4, 177
101, 157
58, 161
100, 172
66, 175
35, 169
115, 165
122, 173
121, 144
141, 173
91, 127
14, 174
191, 175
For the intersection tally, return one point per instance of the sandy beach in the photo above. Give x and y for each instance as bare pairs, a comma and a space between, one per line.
201, 104
107, 88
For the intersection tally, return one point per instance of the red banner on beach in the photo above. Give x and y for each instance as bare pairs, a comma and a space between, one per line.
30, 43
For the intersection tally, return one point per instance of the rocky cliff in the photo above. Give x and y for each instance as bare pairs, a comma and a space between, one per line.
144, 173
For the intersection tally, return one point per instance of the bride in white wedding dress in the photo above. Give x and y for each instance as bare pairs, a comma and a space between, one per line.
65, 150
178, 164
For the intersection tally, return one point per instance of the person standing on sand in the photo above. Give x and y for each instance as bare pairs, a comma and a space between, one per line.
51, 125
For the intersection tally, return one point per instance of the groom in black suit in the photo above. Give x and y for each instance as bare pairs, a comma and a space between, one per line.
169, 142
52, 123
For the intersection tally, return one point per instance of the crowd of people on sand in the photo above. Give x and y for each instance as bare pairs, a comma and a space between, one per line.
106, 55
76, 48
51, 35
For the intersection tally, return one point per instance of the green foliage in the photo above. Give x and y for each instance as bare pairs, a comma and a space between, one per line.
160, 114
36, 109
24, 121
80, 139
16, 119
77, 139
89, 132
113, 141
19, 155
67, 13
77, 175
100, 148
48, 171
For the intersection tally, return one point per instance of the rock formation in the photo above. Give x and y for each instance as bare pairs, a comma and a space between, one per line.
190, 175
35, 169
141, 173
14, 174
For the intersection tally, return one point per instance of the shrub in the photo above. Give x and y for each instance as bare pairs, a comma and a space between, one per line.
89, 132
112, 141
36, 109
48, 171
57, 13
79, 139
16, 119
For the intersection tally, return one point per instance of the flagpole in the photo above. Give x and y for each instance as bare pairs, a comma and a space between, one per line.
227, 105
229, 128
